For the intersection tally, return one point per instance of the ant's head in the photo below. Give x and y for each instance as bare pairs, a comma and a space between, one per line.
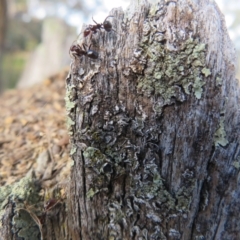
77, 50
107, 26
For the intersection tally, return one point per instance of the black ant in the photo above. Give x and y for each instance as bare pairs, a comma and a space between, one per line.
93, 28
78, 51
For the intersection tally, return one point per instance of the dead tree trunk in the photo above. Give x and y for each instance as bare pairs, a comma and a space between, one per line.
155, 127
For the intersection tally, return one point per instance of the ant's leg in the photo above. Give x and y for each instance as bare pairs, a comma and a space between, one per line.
74, 56
94, 20
84, 46
107, 18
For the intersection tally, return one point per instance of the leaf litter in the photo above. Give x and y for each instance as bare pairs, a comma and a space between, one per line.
33, 133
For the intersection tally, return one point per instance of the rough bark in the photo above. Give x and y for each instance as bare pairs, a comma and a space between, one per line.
155, 127
24, 216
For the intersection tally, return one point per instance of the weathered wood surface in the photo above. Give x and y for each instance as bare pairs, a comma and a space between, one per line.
155, 127
24, 217
155, 134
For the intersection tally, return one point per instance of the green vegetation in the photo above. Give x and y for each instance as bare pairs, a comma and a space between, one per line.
22, 38
13, 65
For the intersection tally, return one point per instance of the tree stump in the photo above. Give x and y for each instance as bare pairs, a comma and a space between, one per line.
154, 123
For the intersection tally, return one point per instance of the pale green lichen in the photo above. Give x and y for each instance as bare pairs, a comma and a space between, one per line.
154, 189
73, 149
153, 9
197, 86
91, 193
4, 192
219, 81
206, 72
220, 135
25, 189
70, 122
168, 69
199, 48
23, 193
184, 196
236, 164
70, 104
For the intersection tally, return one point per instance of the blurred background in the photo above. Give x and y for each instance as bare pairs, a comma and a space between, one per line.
35, 35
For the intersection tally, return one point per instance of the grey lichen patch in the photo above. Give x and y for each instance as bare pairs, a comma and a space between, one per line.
166, 69
93, 154
97, 161
149, 190
154, 190
94, 159
184, 196
200, 237
24, 226
117, 218
23, 193
174, 234
220, 135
